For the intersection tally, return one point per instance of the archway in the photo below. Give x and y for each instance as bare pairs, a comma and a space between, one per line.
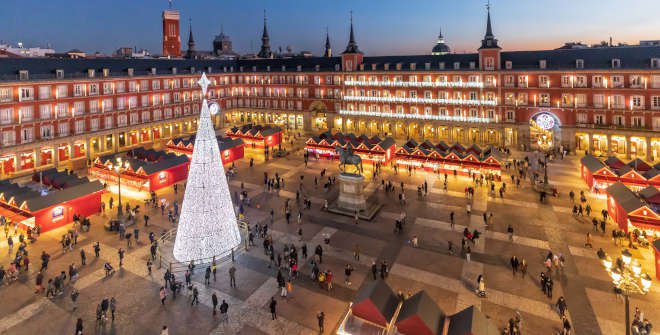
544, 131
319, 114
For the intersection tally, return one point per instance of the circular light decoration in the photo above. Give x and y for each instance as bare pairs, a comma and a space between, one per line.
545, 121
214, 108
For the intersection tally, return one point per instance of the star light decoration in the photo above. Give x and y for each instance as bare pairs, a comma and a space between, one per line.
207, 225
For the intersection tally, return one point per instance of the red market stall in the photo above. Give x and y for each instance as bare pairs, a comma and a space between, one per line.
372, 311
420, 315
636, 175
230, 149
372, 149
632, 210
470, 321
53, 207
256, 136
596, 173
142, 170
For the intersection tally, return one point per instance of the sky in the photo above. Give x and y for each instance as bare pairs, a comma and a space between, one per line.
382, 27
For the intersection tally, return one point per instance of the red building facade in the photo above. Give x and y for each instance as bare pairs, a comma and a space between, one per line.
604, 100
171, 33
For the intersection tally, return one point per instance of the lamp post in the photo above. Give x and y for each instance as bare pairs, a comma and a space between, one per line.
118, 169
627, 276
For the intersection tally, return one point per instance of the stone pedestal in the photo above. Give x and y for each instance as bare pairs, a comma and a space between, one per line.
351, 192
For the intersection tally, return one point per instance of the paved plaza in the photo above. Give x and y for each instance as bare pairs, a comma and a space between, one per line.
449, 279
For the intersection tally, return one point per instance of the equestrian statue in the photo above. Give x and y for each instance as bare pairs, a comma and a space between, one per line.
346, 156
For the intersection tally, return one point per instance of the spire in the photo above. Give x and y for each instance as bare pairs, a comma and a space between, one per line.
328, 49
265, 42
191, 42
352, 47
489, 40
440, 37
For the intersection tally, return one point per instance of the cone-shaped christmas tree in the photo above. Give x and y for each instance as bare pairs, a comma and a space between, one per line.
207, 225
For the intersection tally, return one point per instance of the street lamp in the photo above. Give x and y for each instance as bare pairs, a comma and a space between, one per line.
627, 276
119, 169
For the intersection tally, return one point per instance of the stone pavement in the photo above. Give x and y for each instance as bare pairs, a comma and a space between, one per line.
450, 280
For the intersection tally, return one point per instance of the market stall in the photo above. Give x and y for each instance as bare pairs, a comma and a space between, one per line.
370, 149
632, 210
256, 136
230, 149
420, 315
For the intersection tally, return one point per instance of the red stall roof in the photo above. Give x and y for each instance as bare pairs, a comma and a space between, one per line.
375, 302
471, 321
420, 315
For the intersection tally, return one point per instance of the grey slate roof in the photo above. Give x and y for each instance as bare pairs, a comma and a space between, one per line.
423, 306
626, 198
471, 321
592, 163
37, 202
381, 295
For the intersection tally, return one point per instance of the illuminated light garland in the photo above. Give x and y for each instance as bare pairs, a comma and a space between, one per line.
207, 225
449, 84
417, 116
467, 102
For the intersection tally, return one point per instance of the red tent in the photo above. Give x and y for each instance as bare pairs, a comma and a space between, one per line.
420, 315
376, 303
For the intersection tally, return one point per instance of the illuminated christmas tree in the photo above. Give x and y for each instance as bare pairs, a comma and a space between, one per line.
207, 225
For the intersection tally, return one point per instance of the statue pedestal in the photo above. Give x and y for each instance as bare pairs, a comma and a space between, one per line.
352, 198
351, 192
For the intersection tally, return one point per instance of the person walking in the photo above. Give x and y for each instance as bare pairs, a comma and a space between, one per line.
163, 295
121, 252
195, 294
468, 251
149, 264
451, 220
356, 252
207, 276
514, 264
113, 307
214, 268
83, 257
509, 230
321, 318
523, 267
348, 270
374, 269
79, 326
273, 308
224, 308
74, 299
232, 276
214, 300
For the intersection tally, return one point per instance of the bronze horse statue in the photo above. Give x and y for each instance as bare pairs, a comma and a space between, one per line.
346, 156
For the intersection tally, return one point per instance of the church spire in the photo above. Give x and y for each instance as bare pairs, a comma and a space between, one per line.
328, 49
191, 42
265, 42
352, 47
489, 40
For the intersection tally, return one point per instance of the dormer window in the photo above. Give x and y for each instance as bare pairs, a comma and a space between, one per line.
192, 69
267, 68
542, 64
59, 74
579, 63
386, 66
457, 65
254, 69
655, 63
337, 67
91, 73
616, 63
373, 67
23, 75
174, 70
508, 65
473, 65
317, 68
283, 68
398, 66
240, 69
427, 66
413, 66
298, 68
153, 71
130, 71
209, 69
106, 73
441, 65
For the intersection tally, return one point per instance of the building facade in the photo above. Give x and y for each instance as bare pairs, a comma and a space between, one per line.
602, 100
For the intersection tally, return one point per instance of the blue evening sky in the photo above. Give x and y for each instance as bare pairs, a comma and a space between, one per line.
382, 27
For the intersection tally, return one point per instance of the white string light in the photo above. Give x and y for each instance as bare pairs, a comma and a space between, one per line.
207, 225
417, 116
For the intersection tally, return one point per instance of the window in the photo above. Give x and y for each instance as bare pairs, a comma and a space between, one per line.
636, 81
146, 116
656, 123
522, 81
168, 112
580, 81
617, 81
544, 81
134, 118
566, 100
78, 90
93, 89
91, 73
62, 110
472, 65
46, 131
107, 105
579, 63
618, 101
637, 121
107, 88
23, 75
509, 81
120, 87
59, 74
5, 94
44, 92
94, 124
27, 135
544, 99
637, 101
45, 112
144, 100
132, 86
457, 65
26, 94
655, 102
158, 115
8, 138
542, 64
80, 126
144, 85
489, 63
132, 102
510, 115
618, 120
522, 99
122, 120
655, 63
78, 108
616, 63
597, 81
599, 100
6, 115
26, 114
566, 81
62, 91
121, 103
599, 119
580, 100
508, 65
93, 106
63, 129
155, 85
108, 122
581, 118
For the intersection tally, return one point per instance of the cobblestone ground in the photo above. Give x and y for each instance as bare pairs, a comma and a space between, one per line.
449, 279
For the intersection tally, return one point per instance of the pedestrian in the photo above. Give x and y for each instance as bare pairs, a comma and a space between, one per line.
214, 300
74, 298
224, 308
514, 264
232, 276
121, 252
468, 209
83, 257
321, 318
195, 294
149, 264
523, 267
509, 230
356, 252
451, 220
273, 308
348, 270
588, 241
164, 331
467, 253
207, 275
113, 307
374, 269
163, 295
214, 268
79, 326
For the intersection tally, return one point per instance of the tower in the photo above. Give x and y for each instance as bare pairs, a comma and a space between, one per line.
265, 42
207, 225
440, 48
191, 43
352, 57
328, 49
489, 52
171, 35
